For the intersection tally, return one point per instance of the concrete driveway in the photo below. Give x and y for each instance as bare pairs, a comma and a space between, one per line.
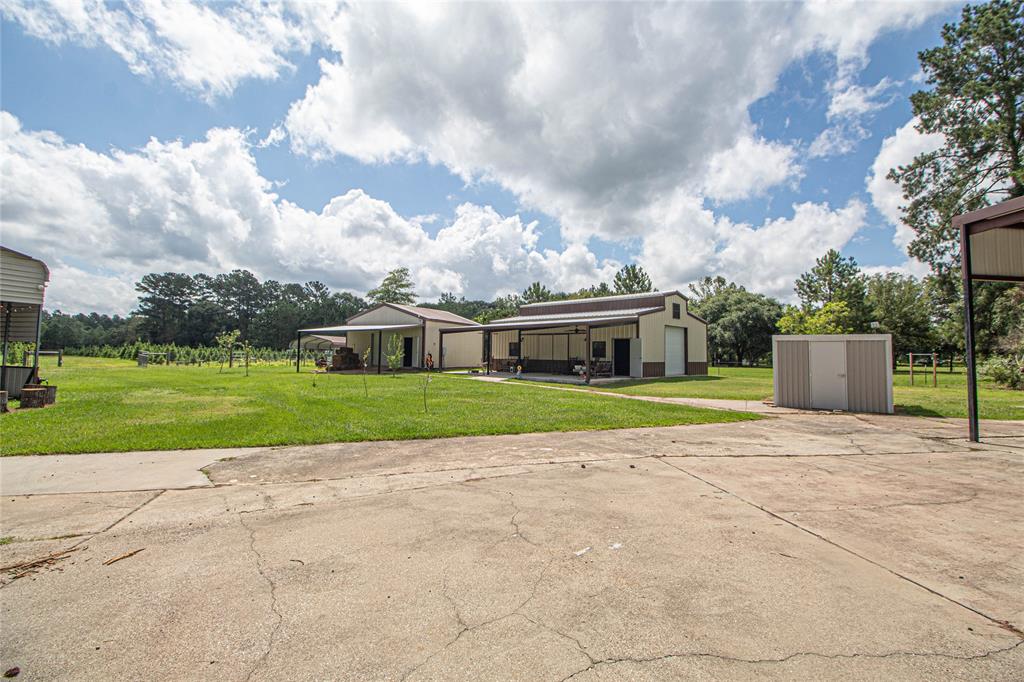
798, 547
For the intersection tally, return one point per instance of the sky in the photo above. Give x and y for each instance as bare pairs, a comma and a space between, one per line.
483, 146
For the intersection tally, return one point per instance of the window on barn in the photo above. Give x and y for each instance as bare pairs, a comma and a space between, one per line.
513, 349
676, 312
597, 349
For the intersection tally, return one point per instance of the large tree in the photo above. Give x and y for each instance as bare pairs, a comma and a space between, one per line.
976, 102
632, 279
537, 293
835, 279
397, 287
740, 323
899, 305
163, 303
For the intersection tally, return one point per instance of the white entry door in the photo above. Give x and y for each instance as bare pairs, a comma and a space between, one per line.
828, 375
636, 364
675, 351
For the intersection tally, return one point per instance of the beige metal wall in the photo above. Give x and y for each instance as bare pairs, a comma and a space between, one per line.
868, 376
461, 350
360, 341
21, 279
554, 347
792, 374
999, 252
652, 331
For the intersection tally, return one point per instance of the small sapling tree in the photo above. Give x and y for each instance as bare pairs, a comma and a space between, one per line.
226, 342
366, 362
394, 353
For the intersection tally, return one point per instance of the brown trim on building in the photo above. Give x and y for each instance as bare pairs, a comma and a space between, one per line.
654, 369
584, 305
697, 369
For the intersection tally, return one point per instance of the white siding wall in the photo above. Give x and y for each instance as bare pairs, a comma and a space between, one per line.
21, 279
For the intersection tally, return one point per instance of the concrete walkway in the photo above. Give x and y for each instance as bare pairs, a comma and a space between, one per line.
805, 547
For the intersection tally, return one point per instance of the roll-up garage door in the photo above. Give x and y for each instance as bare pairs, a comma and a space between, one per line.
675, 351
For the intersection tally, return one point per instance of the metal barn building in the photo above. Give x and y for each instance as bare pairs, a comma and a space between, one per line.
635, 335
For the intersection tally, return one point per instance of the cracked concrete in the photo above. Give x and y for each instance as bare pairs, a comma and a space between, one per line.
803, 547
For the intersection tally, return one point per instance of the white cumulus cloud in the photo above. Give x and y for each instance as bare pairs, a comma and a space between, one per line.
897, 150
205, 207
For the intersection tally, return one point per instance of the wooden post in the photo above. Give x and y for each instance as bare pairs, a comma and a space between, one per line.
911, 369
60, 357
935, 370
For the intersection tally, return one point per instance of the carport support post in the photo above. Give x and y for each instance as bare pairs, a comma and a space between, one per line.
39, 335
380, 341
487, 351
972, 379
588, 354
298, 351
440, 349
3, 361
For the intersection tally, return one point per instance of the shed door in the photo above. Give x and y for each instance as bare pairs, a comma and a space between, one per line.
636, 365
675, 351
827, 360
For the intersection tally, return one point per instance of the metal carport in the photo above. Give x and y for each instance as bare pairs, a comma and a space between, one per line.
991, 248
344, 330
22, 287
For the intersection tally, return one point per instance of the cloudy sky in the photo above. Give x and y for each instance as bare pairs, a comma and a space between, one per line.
484, 146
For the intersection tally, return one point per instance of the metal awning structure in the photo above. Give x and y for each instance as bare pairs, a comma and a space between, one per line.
320, 342
578, 323
991, 248
343, 330
23, 282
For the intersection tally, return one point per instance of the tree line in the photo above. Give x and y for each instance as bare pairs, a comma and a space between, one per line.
192, 310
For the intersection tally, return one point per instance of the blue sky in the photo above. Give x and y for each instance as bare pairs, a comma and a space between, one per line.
524, 179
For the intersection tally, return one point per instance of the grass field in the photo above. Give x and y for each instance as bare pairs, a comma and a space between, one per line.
949, 399
112, 405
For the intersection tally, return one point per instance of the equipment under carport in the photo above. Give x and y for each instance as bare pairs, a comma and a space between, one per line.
833, 372
345, 358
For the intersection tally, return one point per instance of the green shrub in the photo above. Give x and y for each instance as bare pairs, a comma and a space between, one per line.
1005, 370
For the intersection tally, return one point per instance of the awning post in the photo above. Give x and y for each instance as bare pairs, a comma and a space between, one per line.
588, 354
972, 378
39, 334
3, 362
380, 341
298, 350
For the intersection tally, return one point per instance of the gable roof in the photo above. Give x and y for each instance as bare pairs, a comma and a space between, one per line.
423, 313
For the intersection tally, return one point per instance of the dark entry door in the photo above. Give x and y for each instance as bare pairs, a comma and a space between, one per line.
620, 357
407, 352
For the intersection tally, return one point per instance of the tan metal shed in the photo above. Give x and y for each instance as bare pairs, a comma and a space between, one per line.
851, 372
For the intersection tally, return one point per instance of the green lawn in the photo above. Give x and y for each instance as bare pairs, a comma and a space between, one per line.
949, 399
112, 405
